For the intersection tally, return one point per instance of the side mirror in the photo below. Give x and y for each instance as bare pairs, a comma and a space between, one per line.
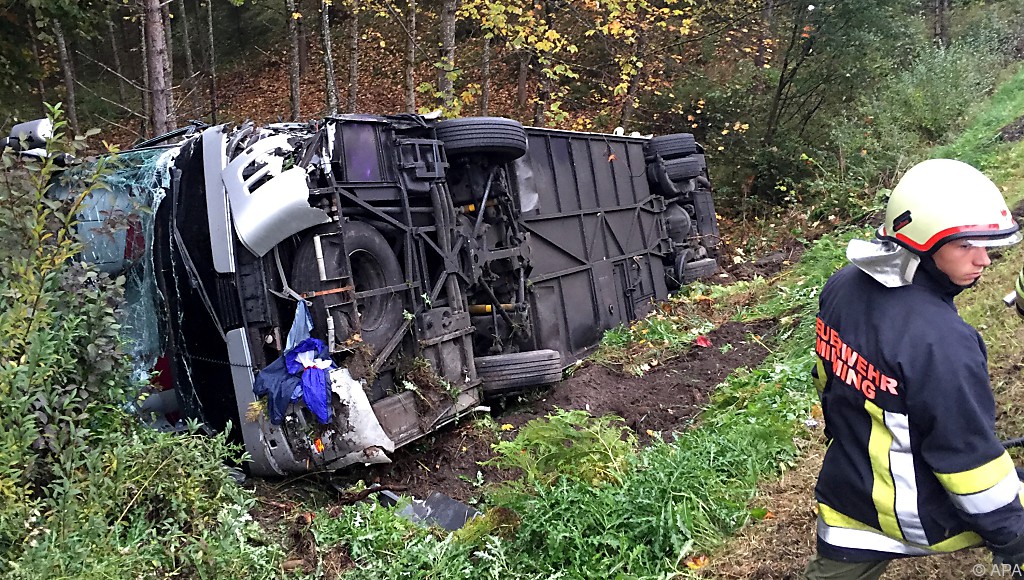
30, 135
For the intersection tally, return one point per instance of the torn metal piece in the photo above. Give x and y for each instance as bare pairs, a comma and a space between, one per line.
439, 510
266, 212
353, 436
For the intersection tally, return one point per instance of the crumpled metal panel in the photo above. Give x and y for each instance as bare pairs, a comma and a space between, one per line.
366, 438
353, 436
222, 243
266, 214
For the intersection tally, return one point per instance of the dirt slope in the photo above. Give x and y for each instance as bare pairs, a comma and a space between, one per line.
663, 400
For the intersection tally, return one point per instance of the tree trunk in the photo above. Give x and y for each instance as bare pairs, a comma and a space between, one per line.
147, 96
325, 37
156, 42
190, 65
115, 49
940, 33
543, 97
353, 57
39, 65
760, 58
69, 76
485, 76
410, 59
629, 102
293, 63
165, 12
303, 42
524, 76
796, 52
212, 62
446, 82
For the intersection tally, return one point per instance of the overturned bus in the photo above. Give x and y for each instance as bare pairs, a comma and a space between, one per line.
340, 288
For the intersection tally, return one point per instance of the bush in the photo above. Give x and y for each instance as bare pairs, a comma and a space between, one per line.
86, 490
892, 129
933, 97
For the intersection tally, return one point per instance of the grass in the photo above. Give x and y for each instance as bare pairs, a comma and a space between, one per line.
1002, 330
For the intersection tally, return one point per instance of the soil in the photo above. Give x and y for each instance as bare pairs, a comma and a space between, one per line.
663, 400
1014, 131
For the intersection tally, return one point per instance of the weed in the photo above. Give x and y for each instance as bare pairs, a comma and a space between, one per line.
649, 341
571, 444
478, 481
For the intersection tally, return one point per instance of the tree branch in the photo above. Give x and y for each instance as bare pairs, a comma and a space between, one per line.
110, 70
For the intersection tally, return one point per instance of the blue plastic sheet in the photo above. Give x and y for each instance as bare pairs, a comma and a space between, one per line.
304, 369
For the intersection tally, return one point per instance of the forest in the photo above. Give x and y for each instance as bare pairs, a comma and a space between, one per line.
800, 104
808, 113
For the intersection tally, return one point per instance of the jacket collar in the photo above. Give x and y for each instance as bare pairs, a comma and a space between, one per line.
929, 276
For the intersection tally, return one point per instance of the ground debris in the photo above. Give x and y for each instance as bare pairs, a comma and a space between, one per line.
663, 401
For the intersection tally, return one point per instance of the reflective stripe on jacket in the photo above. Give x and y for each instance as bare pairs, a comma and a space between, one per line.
913, 465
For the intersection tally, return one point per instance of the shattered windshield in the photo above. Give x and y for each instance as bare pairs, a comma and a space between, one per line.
115, 227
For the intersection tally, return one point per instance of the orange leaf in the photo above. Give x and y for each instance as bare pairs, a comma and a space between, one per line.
697, 562
611, 158
703, 341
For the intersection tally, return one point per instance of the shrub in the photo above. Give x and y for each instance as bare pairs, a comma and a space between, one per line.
571, 444
86, 490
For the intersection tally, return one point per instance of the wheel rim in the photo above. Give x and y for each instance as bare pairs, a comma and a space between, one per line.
367, 275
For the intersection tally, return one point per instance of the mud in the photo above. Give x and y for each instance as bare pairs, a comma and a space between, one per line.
1014, 131
664, 400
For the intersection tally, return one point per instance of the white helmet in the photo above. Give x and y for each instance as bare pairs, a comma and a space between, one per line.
943, 199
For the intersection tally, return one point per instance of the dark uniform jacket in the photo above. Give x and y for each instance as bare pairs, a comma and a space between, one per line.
913, 466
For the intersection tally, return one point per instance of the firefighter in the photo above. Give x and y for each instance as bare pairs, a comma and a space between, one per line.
1018, 298
913, 465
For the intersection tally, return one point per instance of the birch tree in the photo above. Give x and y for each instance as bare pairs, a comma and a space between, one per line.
294, 63
331, 88
447, 73
157, 57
